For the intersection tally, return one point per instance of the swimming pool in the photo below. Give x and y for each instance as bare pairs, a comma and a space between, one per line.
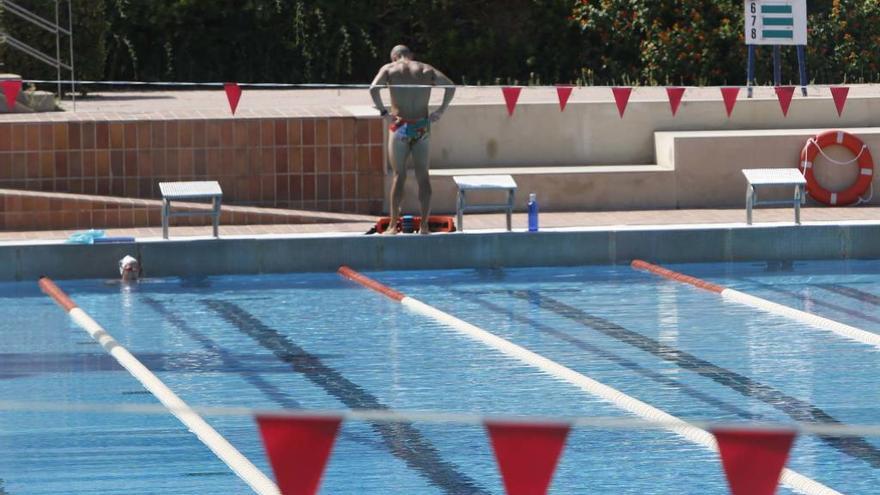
317, 341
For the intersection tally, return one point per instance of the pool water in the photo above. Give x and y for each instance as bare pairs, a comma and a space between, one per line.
317, 341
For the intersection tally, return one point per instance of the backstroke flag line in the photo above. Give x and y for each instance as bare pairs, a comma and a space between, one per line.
753, 460
729, 94
11, 90
233, 94
784, 94
674, 95
527, 454
621, 97
563, 92
511, 95
839, 93
298, 449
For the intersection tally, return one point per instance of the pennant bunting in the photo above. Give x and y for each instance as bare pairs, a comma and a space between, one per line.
753, 460
298, 449
233, 94
511, 95
674, 95
563, 92
11, 88
784, 94
527, 454
839, 93
729, 95
621, 97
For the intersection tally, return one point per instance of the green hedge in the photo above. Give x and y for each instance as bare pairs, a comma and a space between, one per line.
475, 42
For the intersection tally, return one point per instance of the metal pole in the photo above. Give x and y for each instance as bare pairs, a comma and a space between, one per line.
777, 65
802, 67
72, 67
58, 49
750, 69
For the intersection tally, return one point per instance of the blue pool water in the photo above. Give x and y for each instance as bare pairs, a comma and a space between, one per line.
318, 341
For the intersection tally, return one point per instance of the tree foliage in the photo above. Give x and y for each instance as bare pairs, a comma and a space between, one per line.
475, 42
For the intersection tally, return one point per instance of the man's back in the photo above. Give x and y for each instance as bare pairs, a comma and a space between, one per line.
410, 103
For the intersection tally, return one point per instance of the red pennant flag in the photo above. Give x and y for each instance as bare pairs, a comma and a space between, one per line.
233, 94
298, 449
563, 92
729, 95
839, 93
784, 94
527, 454
753, 460
511, 95
674, 95
11, 88
621, 97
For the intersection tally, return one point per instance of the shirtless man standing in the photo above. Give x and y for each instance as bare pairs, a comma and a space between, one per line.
410, 127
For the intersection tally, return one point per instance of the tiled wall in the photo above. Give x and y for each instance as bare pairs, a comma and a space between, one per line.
326, 164
27, 210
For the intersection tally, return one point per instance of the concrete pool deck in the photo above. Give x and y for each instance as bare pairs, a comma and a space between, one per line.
663, 236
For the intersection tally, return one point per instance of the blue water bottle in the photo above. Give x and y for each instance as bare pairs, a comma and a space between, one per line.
408, 226
533, 212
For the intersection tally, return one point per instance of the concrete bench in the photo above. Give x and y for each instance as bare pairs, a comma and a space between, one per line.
467, 183
774, 177
185, 191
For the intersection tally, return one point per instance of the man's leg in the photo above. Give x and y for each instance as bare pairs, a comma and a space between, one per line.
397, 155
421, 151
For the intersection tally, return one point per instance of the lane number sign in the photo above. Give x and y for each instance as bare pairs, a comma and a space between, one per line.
776, 22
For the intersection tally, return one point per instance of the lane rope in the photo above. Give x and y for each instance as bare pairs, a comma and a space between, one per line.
848, 331
237, 462
689, 431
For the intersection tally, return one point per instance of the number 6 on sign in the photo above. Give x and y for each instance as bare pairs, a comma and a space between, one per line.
776, 22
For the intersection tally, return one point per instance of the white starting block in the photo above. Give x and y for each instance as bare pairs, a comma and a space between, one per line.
185, 191
467, 183
774, 177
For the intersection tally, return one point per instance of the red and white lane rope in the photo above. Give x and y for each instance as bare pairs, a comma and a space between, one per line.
790, 478
239, 464
822, 323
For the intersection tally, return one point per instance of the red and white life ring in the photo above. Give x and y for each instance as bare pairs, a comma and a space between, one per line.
851, 194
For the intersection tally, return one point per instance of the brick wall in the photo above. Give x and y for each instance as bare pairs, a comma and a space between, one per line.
327, 164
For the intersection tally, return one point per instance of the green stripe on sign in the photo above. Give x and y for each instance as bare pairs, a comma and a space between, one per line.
779, 34
779, 21
776, 9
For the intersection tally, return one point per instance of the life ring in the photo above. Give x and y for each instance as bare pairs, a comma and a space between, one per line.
851, 194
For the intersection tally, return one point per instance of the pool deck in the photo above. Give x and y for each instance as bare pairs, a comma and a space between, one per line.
492, 222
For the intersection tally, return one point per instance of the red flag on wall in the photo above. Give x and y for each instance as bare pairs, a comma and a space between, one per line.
563, 92
233, 94
511, 95
11, 88
527, 454
674, 95
753, 460
729, 95
839, 93
298, 449
784, 94
621, 97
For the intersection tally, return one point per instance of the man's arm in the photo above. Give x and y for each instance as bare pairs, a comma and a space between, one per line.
440, 79
376, 86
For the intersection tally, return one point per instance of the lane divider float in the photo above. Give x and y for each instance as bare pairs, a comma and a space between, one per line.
848, 331
789, 478
237, 462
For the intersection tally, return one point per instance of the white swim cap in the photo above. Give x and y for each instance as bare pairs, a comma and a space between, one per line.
127, 264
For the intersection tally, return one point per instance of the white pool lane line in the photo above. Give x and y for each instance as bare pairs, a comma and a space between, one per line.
789, 478
237, 462
850, 332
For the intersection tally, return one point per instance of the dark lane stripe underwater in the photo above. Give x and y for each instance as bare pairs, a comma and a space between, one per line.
797, 409
403, 440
